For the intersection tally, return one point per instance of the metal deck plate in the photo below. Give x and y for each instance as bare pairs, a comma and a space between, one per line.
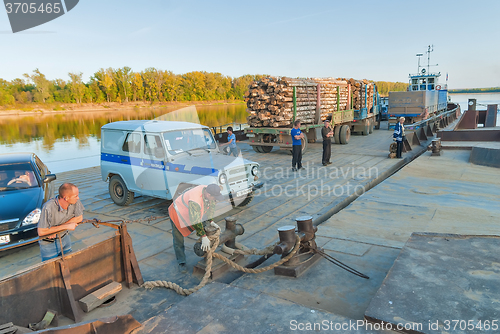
439, 278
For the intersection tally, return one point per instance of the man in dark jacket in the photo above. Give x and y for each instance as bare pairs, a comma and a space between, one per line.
327, 134
399, 136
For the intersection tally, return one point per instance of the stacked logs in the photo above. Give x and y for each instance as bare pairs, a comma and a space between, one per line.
358, 93
270, 100
328, 95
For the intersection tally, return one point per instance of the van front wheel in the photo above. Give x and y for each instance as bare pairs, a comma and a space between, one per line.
119, 192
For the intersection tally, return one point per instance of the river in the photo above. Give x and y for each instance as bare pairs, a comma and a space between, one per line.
71, 141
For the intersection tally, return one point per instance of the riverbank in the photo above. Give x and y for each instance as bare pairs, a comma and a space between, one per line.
70, 108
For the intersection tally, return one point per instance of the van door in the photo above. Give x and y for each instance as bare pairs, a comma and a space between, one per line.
132, 171
153, 160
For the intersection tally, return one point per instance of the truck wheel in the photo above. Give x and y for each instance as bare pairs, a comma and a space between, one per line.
257, 149
266, 149
304, 146
119, 192
377, 122
336, 134
370, 129
366, 128
345, 134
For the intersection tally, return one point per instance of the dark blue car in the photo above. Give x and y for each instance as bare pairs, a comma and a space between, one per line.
25, 185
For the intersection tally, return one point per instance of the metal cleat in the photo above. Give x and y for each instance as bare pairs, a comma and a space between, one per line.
306, 256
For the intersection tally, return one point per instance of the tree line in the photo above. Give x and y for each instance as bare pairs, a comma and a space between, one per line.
384, 87
475, 90
125, 85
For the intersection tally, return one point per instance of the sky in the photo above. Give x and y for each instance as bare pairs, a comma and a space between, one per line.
376, 40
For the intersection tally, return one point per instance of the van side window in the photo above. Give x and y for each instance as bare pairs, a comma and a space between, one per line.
152, 146
132, 143
111, 141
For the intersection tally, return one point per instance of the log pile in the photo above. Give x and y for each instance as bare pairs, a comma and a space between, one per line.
270, 100
358, 93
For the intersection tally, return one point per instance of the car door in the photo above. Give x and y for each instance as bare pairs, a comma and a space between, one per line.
42, 170
131, 168
153, 160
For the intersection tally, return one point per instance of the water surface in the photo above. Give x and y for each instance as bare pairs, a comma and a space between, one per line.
72, 140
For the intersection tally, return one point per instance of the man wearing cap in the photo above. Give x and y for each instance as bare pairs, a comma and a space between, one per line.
327, 133
190, 212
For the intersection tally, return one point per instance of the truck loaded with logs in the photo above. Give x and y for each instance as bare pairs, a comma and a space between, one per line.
275, 103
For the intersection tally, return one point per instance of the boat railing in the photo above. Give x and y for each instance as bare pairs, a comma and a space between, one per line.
431, 120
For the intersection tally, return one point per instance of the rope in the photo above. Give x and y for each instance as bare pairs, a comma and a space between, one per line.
186, 292
260, 270
210, 254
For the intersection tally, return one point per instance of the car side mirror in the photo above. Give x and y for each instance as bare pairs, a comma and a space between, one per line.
49, 178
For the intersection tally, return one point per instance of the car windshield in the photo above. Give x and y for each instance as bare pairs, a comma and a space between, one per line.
17, 176
187, 140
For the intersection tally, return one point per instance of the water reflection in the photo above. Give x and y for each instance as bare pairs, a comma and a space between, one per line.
81, 126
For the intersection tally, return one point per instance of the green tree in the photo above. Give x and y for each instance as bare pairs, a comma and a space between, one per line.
384, 87
148, 79
60, 92
172, 90
77, 87
6, 97
194, 86
42, 85
107, 82
137, 87
124, 76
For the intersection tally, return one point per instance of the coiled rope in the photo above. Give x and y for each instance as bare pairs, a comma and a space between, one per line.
211, 254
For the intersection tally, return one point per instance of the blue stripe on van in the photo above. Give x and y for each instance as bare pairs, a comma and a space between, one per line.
157, 164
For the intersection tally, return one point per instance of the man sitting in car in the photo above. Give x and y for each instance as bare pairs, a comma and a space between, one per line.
20, 178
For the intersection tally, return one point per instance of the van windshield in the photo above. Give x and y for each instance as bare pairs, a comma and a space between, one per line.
186, 140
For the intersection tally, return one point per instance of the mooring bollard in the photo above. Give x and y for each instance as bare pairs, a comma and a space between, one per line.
436, 147
228, 237
306, 256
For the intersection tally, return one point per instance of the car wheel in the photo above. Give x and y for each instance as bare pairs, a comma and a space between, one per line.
119, 192
245, 202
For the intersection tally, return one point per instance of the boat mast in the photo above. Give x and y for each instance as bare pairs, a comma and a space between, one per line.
430, 48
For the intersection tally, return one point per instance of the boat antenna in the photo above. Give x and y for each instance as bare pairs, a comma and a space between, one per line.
419, 55
430, 48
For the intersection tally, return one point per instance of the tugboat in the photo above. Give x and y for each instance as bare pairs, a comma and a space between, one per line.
424, 97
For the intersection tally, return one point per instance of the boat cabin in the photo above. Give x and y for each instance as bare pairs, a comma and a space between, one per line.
424, 81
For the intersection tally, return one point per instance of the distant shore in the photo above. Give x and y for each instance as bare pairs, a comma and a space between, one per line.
65, 108
480, 93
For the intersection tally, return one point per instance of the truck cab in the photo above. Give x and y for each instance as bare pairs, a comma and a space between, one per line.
164, 158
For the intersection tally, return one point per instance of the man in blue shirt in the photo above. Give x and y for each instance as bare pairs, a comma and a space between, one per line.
297, 135
231, 142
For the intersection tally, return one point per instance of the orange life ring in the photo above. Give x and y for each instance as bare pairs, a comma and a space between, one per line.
438, 87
